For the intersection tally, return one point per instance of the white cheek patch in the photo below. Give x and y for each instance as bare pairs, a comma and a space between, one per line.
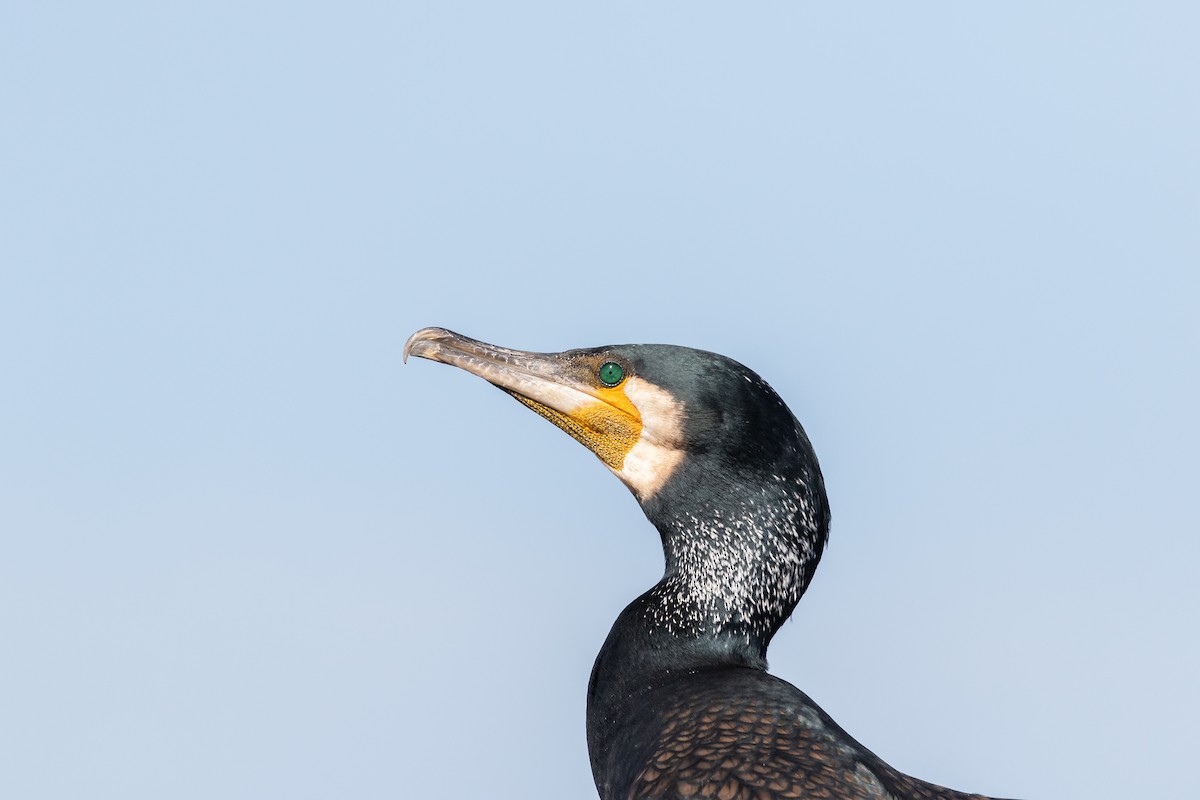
659, 449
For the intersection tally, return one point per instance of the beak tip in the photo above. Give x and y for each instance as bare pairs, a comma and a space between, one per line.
421, 342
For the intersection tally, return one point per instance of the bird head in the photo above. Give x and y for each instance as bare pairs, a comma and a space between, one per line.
710, 451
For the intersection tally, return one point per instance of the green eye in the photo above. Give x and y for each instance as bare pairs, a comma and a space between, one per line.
610, 373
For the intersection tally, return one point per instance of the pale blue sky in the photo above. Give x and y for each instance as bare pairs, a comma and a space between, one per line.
244, 553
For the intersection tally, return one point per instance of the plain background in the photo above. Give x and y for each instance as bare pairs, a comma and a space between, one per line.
245, 553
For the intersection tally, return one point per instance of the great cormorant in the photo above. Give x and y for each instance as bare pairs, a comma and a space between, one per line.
680, 704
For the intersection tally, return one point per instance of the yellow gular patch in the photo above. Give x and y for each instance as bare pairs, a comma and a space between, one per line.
609, 427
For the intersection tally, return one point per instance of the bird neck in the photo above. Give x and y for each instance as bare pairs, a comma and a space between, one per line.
739, 555
737, 563
738, 558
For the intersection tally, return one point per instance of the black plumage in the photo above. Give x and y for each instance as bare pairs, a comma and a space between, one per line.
679, 703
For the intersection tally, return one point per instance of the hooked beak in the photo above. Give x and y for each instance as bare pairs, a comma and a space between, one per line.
562, 387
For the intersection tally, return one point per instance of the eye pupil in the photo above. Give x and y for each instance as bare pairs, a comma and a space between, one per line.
610, 373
